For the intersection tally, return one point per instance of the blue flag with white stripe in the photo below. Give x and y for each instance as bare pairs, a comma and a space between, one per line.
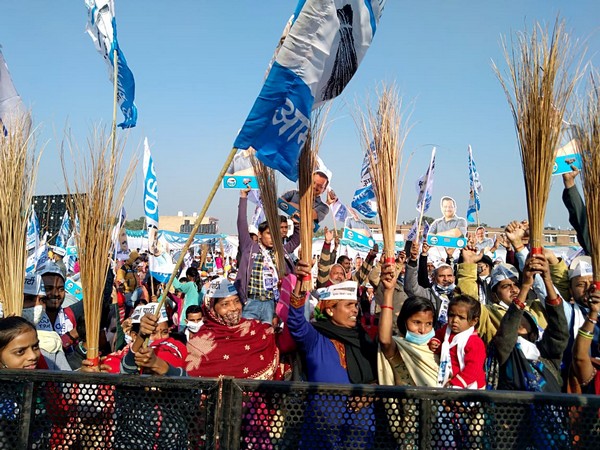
150, 188
319, 55
424, 186
33, 231
364, 197
102, 28
64, 232
474, 190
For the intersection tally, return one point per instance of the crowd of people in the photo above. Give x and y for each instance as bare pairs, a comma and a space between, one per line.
526, 322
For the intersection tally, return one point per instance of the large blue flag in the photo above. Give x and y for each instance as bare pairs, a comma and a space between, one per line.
320, 54
364, 197
474, 189
424, 185
12, 110
102, 28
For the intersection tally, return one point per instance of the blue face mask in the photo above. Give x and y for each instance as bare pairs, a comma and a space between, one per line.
418, 339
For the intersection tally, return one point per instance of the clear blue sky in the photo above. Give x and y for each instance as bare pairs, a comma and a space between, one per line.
199, 65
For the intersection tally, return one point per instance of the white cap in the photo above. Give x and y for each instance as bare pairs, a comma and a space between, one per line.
347, 290
59, 251
502, 272
50, 267
221, 288
34, 285
252, 229
142, 310
581, 267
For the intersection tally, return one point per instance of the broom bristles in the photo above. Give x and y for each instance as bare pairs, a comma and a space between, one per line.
268, 193
587, 135
18, 170
96, 202
384, 139
538, 90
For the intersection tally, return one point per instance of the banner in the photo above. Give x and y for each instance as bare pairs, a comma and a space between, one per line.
474, 190
318, 57
12, 110
150, 188
102, 28
364, 197
424, 185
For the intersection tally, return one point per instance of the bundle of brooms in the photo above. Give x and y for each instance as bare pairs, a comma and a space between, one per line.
267, 184
538, 90
384, 137
587, 135
96, 202
307, 164
18, 169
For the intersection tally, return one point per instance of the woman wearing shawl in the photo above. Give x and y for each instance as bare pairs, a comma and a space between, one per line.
337, 350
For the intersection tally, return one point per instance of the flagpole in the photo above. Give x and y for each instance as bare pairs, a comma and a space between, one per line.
115, 95
197, 224
425, 196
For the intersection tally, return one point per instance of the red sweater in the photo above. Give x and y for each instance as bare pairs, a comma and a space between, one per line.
475, 354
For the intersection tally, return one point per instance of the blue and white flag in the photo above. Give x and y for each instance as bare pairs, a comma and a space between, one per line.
364, 197
33, 231
150, 189
12, 110
320, 54
339, 210
259, 213
64, 232
119, 237
424, 185
161, 267
412, 233
71, 257
474, 189
102, 28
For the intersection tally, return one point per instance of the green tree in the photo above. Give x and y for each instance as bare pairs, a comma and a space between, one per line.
135, 224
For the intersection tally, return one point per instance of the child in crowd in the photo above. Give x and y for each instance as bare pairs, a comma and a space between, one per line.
462, 352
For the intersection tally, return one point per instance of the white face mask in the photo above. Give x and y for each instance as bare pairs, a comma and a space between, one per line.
34, 314
194, 327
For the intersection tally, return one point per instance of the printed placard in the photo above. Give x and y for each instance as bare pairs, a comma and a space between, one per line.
435, 240
562, 164
239, 182
74, 289
142, 310
286, 207
358, 238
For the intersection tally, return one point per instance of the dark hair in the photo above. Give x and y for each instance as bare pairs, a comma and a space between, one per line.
11, 327
474, 306
191, 273
410, 307
263, 226
193, 309
445, 197
342, 259
282, 218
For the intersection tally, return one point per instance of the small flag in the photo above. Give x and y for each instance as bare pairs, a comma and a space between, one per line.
102, 28
319, 55
150, 189
474, 189
259, 213
424, 185
64, 232
364, 197
119, 237
340, 212
12, 110
33, 231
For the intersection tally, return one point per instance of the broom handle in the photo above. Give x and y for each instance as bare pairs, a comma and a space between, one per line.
199, 219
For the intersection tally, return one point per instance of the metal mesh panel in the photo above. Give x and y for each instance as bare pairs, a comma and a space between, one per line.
45, 410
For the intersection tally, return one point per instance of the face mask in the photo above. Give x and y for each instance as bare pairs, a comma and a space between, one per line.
445, 289
231, 319
33, 315
128, 339
418, 339
194, 327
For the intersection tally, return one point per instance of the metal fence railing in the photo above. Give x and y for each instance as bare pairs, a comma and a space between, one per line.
62, 410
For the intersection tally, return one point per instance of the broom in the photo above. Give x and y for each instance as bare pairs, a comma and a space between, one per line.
96, 201
587, 136
384, 140
538, 89
18, 170
268, 193
203, 255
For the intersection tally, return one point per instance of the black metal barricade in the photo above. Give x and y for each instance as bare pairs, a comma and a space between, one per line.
61, 410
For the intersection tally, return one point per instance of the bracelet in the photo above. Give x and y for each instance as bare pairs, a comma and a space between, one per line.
387, 307
585, 334
519, 304
553, 301
594, 321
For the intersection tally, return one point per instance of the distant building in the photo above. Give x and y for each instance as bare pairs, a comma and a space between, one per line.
50, 210
184, 224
